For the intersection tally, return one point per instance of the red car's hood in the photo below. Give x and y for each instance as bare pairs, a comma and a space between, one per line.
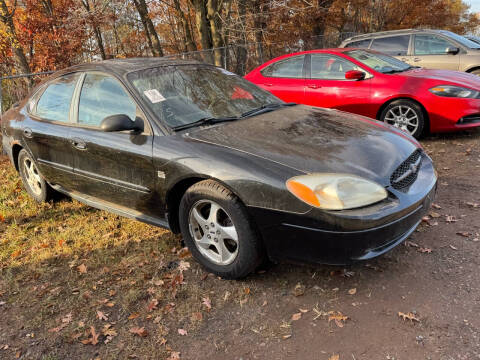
446, 77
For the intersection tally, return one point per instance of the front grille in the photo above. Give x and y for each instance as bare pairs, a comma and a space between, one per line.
407, 172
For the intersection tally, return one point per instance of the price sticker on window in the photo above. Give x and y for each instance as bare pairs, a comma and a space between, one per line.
154, 96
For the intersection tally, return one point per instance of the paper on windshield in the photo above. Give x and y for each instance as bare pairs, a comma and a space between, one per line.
154, 96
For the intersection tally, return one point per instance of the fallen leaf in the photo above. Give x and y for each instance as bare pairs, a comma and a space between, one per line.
303, 310
424, 250
296, 316
352, 291
140, 331
334, 357
450, 218
16, 253
434, 214
183, 265
338, 317
112, 293
152, 305
197, 316
61, 242
463, 233
67, 319
453, 247
206, 301
82, 269
174, 355
101, 316
133, 316
299, 290
409, 316
474, 205
287, 336
182, 332
436, 206
93, 339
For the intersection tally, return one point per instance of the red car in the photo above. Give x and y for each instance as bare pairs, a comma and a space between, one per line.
375, 85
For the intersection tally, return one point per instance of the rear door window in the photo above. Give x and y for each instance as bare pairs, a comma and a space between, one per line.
392, 45
54, 103
288, 68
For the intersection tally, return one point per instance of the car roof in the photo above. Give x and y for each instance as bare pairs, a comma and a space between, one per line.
390, 32
121, 67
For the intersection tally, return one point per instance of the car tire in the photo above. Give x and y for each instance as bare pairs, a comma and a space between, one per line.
224, 241
406, 115
32, 179
475, 72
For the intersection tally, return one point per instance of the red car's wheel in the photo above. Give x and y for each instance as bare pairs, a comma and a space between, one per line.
405, 115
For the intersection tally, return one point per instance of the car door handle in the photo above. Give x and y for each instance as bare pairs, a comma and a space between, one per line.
314, 86
268, 84
79, 144
28, 133
417, 59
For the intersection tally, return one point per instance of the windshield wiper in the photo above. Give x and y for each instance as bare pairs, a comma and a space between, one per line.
205, 121
265, 108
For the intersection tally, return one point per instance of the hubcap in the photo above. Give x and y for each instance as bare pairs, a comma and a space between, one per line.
213, 231
32, 176
403, 117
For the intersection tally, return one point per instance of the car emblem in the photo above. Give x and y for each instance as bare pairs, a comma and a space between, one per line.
413, 168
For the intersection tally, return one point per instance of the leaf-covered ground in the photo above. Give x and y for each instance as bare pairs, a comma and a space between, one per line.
78, 283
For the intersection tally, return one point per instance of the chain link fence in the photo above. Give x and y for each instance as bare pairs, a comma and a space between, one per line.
237, 58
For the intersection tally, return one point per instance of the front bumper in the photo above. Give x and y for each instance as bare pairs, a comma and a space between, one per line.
452, 114
338, 238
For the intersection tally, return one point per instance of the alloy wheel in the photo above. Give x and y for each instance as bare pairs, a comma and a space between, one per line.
213, 232
32, 176
403, 117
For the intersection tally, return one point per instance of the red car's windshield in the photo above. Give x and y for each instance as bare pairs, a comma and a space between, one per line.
378, 62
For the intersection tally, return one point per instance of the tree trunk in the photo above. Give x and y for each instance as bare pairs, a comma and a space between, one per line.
96, 28
20, 59
259, 26
319, 22
203, 28
215, 30
187, 35
150, 32
240, 67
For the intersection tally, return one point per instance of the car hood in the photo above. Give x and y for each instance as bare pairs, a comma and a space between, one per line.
446, 76
313, 139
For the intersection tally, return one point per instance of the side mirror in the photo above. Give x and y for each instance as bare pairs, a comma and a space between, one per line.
119, 122
452, 50
355, 75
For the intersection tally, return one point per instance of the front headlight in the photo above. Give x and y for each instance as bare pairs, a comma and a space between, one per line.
454, 91
335, 191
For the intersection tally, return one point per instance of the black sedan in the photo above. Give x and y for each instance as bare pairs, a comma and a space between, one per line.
242, 175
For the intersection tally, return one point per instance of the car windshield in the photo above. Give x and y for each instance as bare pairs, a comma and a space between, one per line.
460, 39
379, 62
186, 94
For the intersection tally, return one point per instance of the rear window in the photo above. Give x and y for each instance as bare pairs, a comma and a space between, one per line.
288, 68
392, 45
363, 44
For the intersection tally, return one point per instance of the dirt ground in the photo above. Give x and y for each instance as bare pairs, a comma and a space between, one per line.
146, 298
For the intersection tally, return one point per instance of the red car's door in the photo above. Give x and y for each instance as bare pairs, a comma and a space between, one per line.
285, 79
326, 85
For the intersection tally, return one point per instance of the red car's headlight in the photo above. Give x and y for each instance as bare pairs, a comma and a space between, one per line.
454, 91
